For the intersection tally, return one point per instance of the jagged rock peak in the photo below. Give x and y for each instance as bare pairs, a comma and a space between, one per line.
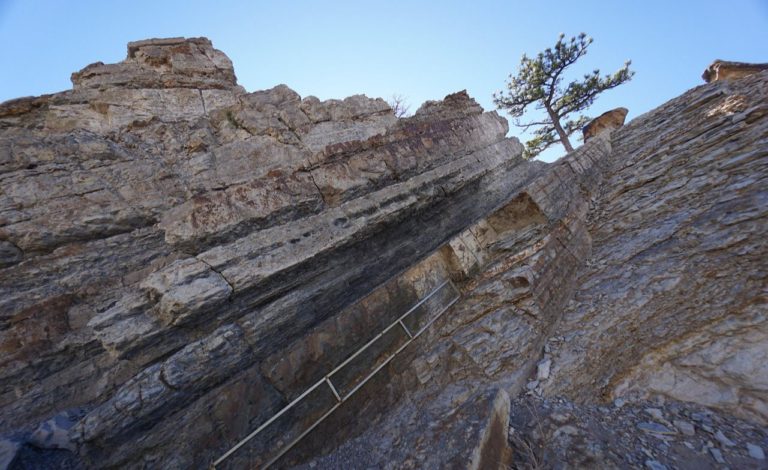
163, 63
456, 103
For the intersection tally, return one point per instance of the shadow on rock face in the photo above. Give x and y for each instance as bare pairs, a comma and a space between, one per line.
30, 457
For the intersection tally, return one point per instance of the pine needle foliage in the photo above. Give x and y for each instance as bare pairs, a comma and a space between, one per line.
539, 85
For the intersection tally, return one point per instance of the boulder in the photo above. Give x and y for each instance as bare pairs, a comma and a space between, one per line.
54, 432
162, 63
725, 70
606, 122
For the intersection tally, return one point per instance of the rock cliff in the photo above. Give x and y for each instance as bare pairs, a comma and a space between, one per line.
191, 274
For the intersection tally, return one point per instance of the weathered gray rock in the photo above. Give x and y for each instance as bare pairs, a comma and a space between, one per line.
723, 440
656, 414
558, 433
507, 266
542, 369
756, 452
456, 430
655, 428
637, 241
181, 259
671, 301
162, 63
9, 254
125, 327
655, 465
685, 427
158, 389
716, 454
184, 289
164, 235
54, 433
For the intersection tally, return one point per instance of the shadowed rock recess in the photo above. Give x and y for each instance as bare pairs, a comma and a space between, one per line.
191, 274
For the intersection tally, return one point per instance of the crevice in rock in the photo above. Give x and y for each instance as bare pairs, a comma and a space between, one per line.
319, 191
202, 101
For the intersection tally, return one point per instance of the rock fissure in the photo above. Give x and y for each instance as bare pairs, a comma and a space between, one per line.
202, 102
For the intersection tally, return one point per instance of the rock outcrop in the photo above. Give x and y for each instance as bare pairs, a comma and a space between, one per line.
724, 70
630, 268
675, 289
191, 274
164, 234
606, 122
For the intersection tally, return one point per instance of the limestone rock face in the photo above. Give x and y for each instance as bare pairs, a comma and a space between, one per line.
606, 122
164, 233
458, 429
724, 70
631, 268
674, 290
162, 63
184, 263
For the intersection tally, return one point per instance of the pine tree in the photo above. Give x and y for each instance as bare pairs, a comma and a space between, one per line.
538, 82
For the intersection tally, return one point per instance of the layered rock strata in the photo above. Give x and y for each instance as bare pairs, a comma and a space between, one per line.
515, 270
183, 263
631, 268
674, 292
164, 234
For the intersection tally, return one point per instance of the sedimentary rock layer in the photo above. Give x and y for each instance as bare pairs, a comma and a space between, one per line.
633, 267
183, 262
163, 233
674, 292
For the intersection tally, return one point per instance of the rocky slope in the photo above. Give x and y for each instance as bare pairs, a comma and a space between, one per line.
633, 268
675, 289
194, 274
657, 435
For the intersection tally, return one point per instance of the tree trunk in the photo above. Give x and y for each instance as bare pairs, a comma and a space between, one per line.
560, 131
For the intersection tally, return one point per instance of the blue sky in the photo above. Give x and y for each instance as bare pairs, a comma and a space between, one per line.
421, 50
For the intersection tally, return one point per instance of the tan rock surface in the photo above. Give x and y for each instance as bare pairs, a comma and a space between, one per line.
606, 122
725, 70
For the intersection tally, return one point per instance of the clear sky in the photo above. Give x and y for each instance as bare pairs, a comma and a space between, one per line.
419, 49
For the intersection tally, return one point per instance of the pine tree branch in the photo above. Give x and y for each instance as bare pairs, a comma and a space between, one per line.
528, 125
538, 83
543, 140
580, 95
